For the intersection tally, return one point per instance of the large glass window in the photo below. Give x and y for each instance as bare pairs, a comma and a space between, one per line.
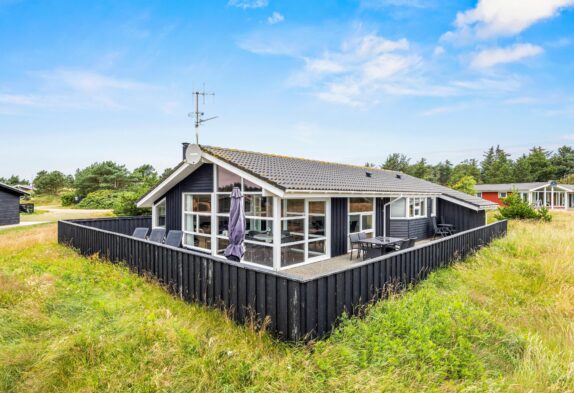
197, 221
159, 213
361, 211
303, 230
258, 213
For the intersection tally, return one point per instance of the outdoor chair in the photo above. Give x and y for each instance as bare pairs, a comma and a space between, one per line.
408, 243
355, 245
173, 238
140, 233
157, 235
439, 231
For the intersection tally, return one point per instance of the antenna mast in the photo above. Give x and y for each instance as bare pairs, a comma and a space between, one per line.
197, 114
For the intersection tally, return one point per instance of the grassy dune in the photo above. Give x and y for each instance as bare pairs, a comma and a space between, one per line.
501, 321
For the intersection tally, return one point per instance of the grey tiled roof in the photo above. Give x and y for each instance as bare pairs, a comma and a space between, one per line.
297, 174
504, 187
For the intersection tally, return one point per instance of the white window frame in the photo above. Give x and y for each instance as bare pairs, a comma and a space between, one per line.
155, 216
216, 237
420, 204
306, 240
196, 222
502, 195
479, 194
423, 208
373, 215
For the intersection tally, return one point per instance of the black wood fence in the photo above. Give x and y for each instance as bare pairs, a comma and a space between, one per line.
294, 308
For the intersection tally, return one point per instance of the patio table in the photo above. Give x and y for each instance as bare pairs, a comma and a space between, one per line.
376, 245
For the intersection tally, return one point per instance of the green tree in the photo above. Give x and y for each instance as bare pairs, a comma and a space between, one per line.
105, 175
14, 180
563, 162
396, 162
466, 184
50, 182
465, 168
522, 171
540, 164
144, 176
496, 166
442, 172
421, 169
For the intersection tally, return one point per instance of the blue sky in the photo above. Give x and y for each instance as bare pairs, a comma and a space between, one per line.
348, 81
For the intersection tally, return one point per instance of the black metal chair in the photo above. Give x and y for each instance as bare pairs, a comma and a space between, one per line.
355, 245
408, 243
140, 233
173, 238
439, 231
157, 235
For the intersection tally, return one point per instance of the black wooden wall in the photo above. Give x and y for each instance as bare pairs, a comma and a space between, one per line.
9, 208
461, 217
417, 228
199, 181
339, 230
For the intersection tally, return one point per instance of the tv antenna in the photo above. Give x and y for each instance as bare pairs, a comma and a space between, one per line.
197, 115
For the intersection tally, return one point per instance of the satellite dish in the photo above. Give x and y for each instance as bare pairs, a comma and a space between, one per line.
193, 154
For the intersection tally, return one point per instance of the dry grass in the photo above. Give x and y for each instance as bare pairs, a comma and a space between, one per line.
502, 321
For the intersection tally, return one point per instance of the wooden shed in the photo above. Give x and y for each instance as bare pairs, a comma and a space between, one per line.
10, 204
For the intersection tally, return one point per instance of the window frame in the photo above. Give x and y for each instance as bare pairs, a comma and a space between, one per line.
502, 195
423, 208
305, 216
154, 213
196, 222
216, 237
361, 214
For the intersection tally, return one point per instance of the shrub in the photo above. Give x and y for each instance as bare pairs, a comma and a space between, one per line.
102, 199
68, 198
514, 207
125, 205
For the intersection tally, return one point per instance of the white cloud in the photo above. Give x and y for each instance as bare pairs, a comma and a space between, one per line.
275, 17
493, 18
438, 51
87, 81
17, 99
245, 4
490, 57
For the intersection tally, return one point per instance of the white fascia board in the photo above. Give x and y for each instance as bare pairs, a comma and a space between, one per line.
467, 205
548, 185
181, 173
253, 179
351, 194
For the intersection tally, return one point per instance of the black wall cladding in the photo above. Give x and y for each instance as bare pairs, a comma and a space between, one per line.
199, 181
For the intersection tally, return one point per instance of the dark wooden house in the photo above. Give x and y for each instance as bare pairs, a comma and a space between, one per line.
299, 211
10, 204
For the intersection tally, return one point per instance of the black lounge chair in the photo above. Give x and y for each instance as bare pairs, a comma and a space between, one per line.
140, 233
439, 231
173, 238
157, 235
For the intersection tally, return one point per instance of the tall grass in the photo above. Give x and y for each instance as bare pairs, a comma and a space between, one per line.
500, 321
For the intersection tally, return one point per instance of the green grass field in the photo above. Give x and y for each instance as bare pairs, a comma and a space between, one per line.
501, 321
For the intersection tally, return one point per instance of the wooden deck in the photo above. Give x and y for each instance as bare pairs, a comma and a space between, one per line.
331, 265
